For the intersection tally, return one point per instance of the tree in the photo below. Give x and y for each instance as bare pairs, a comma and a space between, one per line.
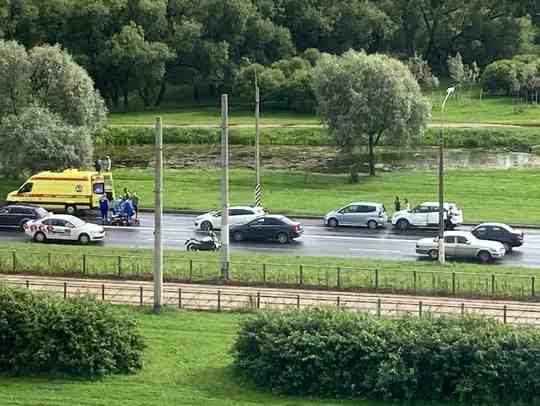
37, 140
139, 64
422, 72
365, 98
456, 70
50, 109
14, 74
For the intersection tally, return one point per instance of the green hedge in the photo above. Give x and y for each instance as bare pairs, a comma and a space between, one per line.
328, 352
78, 336
512, 139
120, 136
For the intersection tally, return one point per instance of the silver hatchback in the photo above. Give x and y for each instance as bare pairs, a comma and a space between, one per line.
368, 214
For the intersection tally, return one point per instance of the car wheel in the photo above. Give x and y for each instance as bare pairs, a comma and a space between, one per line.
191, 247
40, 237
403, 224
71, 209
507, 247
84, 239
283, 238
372, 224
206, 226
333, 223
484, 256
434, 254
238, 236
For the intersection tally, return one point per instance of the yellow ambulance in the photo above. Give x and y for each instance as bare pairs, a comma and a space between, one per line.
71, 190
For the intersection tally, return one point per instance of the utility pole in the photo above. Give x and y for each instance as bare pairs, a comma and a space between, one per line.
158, 214
442, 252
225, 256
258, 186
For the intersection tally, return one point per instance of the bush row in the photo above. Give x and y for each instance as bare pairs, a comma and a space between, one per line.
328, 352
78, 336
515, 139
118, 136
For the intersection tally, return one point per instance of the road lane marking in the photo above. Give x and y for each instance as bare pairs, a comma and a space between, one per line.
376, 250
339, 237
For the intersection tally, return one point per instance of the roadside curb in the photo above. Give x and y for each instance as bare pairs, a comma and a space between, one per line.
311, 217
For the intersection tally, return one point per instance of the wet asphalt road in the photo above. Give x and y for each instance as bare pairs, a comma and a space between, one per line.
317, 240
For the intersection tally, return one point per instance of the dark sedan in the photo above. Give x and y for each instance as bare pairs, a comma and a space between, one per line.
267, 228
503, 233
16, 215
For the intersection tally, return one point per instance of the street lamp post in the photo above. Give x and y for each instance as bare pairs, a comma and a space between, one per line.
442, 256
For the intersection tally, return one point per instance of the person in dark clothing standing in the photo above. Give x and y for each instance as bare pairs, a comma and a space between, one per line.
397, 204
104, 208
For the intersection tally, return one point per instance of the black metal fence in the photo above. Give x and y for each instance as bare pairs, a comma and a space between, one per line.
436, 282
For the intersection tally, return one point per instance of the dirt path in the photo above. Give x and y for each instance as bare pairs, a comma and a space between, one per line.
224, 297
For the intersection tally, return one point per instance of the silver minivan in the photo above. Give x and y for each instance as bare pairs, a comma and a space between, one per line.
368, 214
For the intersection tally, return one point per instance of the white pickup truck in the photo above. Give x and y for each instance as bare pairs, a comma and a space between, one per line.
427, 215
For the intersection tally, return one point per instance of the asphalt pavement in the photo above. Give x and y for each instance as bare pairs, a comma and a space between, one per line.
317, 240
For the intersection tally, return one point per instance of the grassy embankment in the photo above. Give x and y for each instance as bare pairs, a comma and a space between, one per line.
490, 195
460, 109
406, 276
187, 362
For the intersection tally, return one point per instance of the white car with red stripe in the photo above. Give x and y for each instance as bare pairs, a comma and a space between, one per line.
64, 227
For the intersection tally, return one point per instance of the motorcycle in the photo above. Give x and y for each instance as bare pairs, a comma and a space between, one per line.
209, 243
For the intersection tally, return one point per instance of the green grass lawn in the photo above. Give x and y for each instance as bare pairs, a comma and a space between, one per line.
464, 108
209, 115
405, 276
510, 196
187, 362
485, 195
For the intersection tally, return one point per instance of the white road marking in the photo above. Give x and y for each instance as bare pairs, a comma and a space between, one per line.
339, 237
376, 250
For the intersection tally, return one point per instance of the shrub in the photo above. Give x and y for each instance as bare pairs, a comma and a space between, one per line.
332, 353
117, 136
486, 138
77, 336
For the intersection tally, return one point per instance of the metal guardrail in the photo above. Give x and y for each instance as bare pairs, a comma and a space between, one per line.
235, 299
440, 282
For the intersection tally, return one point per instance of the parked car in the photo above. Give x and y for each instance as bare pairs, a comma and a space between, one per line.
461, 244
17, 215
427, 215
269, 227
237, 215
368, 214
503, 233
64, 227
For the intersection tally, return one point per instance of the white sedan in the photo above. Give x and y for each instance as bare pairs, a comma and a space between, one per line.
64, 227
237, 215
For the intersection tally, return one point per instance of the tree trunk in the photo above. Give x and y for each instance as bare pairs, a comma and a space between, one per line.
195, 92
126, 101
162, 90
371, 147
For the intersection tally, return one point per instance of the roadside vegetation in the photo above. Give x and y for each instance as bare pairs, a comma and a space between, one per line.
514, 139
80, 337
419, 276
328, 352
187, 361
